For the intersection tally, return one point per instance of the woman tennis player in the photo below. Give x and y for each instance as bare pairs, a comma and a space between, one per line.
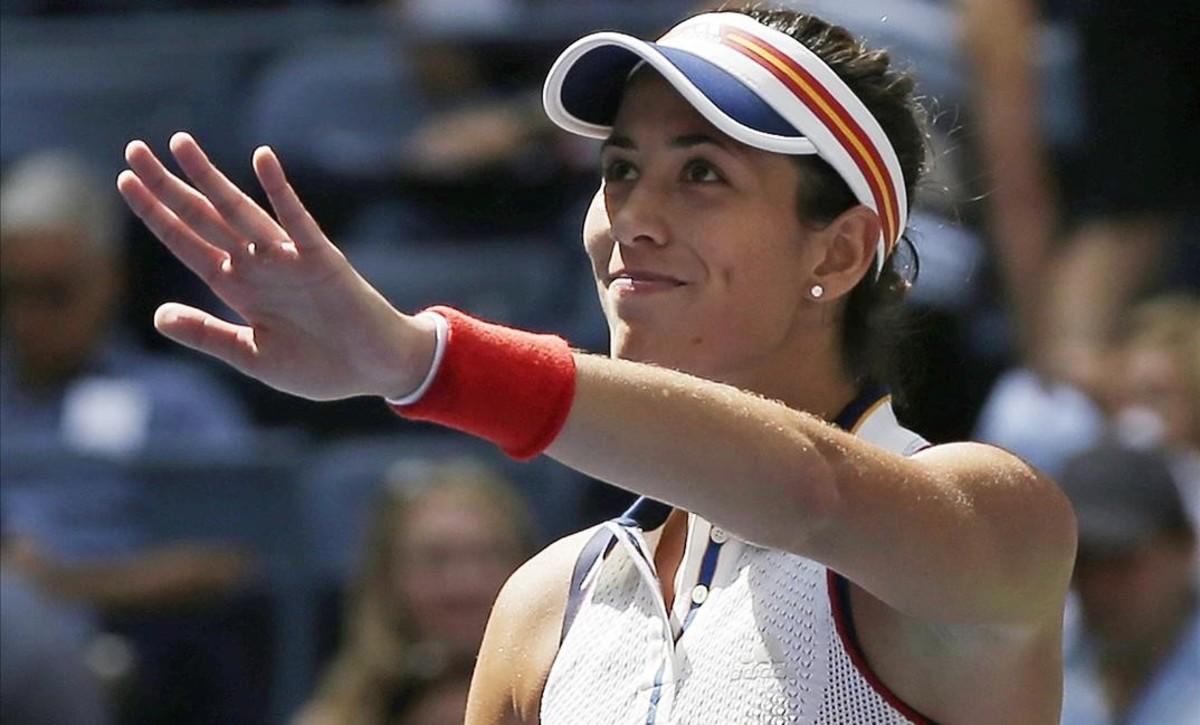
798, 556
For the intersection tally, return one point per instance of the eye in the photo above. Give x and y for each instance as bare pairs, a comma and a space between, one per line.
701, 171
619, 170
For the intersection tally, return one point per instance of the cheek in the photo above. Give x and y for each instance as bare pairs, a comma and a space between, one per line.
759, 284
598, 244
597, 237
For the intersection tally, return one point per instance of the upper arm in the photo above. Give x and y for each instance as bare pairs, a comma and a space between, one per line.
522, 638
957, 533
961, 533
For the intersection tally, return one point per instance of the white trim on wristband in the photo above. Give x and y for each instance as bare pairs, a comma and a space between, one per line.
441, 334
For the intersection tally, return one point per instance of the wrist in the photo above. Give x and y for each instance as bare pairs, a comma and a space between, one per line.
417, 353
432, 363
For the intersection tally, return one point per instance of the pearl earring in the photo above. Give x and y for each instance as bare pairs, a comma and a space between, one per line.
817, 291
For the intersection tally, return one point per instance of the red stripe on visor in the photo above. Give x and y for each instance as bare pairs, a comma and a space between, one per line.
818, 99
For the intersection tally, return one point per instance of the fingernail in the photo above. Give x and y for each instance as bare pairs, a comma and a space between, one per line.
164, 316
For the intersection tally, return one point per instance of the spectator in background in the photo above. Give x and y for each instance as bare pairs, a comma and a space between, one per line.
1138, 659
1080, 231
70, 380
486, 146
1161, 386
441, 137
1162, 366
441, 543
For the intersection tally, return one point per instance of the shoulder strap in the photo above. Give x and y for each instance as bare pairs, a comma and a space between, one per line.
595, 549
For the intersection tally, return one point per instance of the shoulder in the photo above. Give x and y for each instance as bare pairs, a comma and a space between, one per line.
536, 593
523, 635
550, 569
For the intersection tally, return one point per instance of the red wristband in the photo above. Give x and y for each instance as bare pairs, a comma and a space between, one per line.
507, 386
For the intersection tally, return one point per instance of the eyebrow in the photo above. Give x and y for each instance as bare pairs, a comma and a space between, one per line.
679, 142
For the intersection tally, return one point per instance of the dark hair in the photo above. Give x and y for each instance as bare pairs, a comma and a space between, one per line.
873, 326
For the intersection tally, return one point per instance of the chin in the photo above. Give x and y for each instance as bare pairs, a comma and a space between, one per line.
626, 346
659, 351
638, 344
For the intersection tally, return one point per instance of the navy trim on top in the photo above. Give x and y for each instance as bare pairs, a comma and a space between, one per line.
596, 549
708, 569
656, 694
646, 514
861, 403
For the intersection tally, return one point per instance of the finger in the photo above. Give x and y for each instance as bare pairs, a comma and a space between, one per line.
284, 251
188, 204
290, 211
205, 260
239, 210
199, 330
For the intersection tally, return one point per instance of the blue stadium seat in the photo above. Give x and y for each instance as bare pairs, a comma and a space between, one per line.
337, 105
93, 98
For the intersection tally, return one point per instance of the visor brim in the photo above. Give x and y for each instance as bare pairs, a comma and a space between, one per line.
583, 92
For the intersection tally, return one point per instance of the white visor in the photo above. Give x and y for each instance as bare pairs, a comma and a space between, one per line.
755, 84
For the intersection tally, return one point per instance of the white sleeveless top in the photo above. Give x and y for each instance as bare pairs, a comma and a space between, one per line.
754, 636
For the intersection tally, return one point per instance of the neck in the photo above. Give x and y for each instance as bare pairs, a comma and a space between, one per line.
806, 373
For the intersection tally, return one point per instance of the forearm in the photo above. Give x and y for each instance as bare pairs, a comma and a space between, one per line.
748, 463
153, 578
1000, 40
1022, 208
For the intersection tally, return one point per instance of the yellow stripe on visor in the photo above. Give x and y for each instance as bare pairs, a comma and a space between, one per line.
853, 139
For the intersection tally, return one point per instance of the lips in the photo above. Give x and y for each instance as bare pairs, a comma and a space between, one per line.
643, 277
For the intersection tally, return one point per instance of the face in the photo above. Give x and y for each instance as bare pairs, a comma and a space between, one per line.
454, 554
57, 300
1126, 597
699, 256
1157, 379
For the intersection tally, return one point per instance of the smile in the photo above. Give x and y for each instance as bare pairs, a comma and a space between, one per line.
637, 284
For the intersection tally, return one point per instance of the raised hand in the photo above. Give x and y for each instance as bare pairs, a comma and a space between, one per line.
313, 326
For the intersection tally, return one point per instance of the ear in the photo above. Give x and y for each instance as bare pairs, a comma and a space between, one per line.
850, 243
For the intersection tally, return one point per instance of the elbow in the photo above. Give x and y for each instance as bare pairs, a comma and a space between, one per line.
1065, 540
1047, 555
1057, 528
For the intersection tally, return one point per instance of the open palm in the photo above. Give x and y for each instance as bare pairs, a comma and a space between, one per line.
313, 326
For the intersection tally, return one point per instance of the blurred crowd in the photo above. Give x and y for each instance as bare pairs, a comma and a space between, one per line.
181, 545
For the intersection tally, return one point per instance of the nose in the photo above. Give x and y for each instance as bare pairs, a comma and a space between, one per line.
638, 216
